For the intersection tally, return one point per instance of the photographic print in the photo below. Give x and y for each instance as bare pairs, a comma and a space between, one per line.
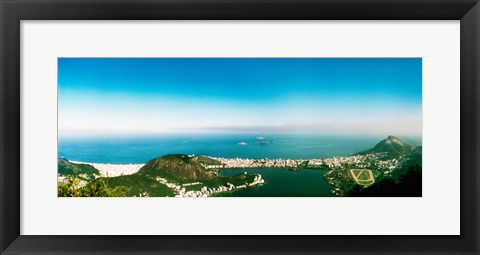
239, 127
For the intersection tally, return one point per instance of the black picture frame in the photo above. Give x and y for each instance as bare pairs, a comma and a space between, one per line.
13, 11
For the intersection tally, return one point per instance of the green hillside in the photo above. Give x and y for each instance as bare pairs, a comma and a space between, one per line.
136, 185
81, 171
414, 160
409, 184
392, 145
206, 160
176, 167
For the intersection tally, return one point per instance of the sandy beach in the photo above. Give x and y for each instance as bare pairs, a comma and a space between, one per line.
112, 170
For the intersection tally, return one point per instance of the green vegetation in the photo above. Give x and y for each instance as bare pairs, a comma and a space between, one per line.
210, 180
406, 181
389, 173
182, 169
178, 169
120, 186
388, 163
81, 171
393, 146
415, 158
138, 185
408, 185
236, 180
99, 189
206, 160
216, 182
176, 166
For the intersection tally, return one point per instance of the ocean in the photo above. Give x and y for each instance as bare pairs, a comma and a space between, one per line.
140, 149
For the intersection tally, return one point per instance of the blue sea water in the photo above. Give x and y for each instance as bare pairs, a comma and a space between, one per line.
140, 149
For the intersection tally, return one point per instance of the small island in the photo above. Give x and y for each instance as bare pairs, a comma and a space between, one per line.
389, 163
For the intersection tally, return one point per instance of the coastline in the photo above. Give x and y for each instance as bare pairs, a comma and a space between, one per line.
113, 170
334, 166
360, 161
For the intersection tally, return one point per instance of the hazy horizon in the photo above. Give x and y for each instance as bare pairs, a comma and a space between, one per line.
138, 96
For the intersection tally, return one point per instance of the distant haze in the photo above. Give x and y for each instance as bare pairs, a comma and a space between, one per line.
360, 96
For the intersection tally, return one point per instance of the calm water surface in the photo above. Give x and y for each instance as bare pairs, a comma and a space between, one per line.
280, 182
283, 183
126, 150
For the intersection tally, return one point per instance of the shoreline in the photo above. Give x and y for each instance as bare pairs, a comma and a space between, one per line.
112, 170
359, 161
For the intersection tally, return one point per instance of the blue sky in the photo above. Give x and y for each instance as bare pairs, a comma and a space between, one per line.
205, 95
